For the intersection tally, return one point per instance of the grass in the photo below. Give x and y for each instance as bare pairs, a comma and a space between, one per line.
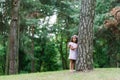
96, 74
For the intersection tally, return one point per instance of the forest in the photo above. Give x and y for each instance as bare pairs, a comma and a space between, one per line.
34, 34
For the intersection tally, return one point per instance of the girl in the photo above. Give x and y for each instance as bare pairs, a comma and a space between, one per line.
73, 52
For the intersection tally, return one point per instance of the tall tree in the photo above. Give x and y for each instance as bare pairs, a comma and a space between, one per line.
85, 36
14, 38
32, 51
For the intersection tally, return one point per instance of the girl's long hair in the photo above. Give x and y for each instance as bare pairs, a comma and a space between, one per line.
75, 37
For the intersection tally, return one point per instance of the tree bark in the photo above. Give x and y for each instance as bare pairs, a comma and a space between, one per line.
32, 52
7, 62
13, 38
61, 53
85, 36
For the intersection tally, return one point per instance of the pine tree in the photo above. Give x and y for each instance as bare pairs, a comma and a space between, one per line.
85, 36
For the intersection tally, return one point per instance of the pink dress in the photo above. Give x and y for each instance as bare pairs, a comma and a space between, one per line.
73, 53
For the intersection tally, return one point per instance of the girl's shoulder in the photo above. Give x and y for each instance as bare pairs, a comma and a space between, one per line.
71, 43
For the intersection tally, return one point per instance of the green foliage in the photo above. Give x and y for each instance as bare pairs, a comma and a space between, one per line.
31, 21
48, 2
103, 6
105, 41
50, 58
1, 50
2, 60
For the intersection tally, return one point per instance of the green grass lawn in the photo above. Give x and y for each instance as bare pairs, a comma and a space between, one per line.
96, 74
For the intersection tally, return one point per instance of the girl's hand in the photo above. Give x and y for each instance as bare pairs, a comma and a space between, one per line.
71, 47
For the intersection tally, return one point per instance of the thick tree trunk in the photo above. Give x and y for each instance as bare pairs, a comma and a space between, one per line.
13, 38
85, 36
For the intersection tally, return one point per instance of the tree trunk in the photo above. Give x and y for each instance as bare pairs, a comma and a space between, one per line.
61, 53
67, 40
13, 38
7, 62
32, 52
85, 36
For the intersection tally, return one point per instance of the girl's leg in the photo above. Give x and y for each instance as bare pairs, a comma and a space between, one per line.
71, 64
74, 63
